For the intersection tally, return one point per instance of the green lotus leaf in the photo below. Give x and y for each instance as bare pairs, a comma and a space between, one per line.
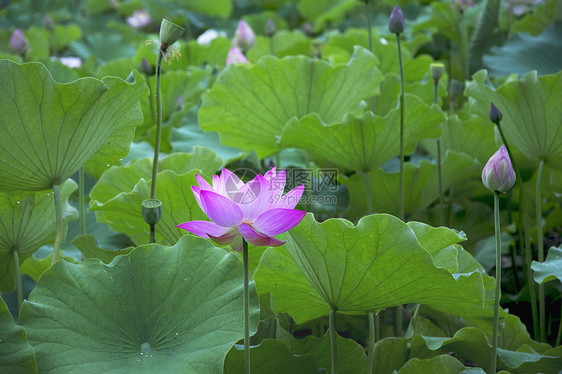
250, 104
523, 53
421, 184
27, 222
87, 245
270, 357
473, 345
366, 142
52, 129
124, 178
550, 269
531, 113
540, 18
17, 354
219, 8
123, 212
34, 267
442, 364
351, 356
474, 136
158, 309
390, 354
356, 269
285, 43
324, 12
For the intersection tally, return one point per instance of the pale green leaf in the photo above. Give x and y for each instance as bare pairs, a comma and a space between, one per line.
52, 129
17, 354
158, 309
250, 104
550, 269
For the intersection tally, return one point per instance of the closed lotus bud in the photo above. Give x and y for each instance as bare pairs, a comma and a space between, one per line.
18, 43
498, 174
48, 23
170, 32
145, 67
235, 56
396, 23
437, 70
495, 114
244, 37
270, 28
151, 211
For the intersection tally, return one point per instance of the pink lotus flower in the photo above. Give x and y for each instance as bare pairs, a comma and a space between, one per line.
255, 211
235, 56
139, 19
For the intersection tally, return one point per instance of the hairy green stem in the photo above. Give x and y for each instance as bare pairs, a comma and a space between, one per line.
439, 173
370, 40
559, 336
81, 201
333, 340
397, 311
369, 195
498, 281
58, 217
372, 340
246, 307
528, 258
540, 249
17, 275
158, 126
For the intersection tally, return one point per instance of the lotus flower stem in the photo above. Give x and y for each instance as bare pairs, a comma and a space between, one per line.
18, 278
58, 217
246, 307
540, 248
158, 125
498, 281
526, 229
397, 311
439, 172
559, 336
370, 40
81, 201
374, 336
271, 46
333, 340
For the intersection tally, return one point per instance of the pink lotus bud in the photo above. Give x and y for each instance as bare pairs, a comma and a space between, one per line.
396, 23
495, 114
244, 37
235, 56
498, 174
270, 27
18, 43
139, 19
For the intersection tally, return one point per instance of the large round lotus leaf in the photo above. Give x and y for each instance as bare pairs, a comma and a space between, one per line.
49, 129
157, 310
250, 104
16, 354
355, 269
550, 269
27, 222
531, 113
366, 142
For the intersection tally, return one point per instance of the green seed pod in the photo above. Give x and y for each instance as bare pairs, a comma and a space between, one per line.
437, 70
170, 32
151, 211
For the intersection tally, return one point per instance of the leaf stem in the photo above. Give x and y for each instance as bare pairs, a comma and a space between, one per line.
333, 340
540, 248
58, 217
81, 200
397, 311
559, 336
369, 195
18, 278
498, 281
246, 307
158, 126
271, 46
526, 230
439, 173
374, 336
